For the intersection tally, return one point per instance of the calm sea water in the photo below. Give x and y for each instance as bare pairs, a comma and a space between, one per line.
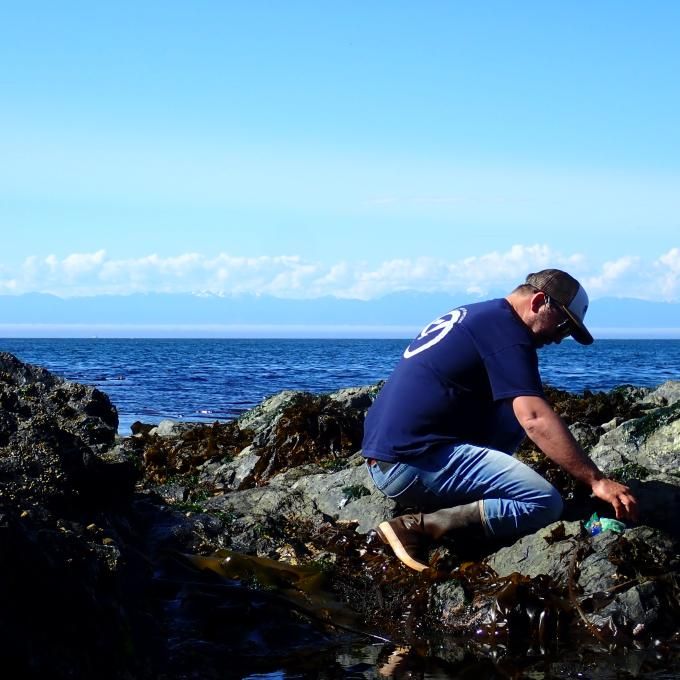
210, 379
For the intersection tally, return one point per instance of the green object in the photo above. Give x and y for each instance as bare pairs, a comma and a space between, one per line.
612, 525
596, 525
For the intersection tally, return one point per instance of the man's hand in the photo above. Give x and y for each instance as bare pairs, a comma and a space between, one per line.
620, 496
547, 430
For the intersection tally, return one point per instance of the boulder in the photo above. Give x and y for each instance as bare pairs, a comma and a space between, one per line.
666, 394
53, 437
61, 472
650, 442
309, 495
549, 551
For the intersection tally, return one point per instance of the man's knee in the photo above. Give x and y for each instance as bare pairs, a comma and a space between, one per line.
549, 509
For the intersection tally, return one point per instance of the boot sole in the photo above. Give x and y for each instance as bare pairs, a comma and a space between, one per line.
386, 532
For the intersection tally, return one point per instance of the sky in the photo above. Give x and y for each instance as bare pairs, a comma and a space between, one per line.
353, 149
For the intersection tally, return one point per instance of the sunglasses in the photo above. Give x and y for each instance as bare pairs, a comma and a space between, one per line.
564, 328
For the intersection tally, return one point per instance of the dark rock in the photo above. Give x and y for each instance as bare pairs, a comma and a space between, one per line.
52, 437
63, 614
658, 495
173, 449
597, 408
586, 435
450, 604
140, 428
304, 428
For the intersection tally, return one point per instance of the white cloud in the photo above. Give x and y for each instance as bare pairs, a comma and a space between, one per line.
611, 276
79, 263
479, 275
668, 266
291, 276
8, 286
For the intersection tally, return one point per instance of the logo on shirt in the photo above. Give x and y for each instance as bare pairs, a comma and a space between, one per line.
434, 332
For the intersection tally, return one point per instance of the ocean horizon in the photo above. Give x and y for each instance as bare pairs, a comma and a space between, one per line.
275, 331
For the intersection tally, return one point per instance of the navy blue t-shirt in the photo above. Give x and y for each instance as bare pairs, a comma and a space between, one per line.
455, 383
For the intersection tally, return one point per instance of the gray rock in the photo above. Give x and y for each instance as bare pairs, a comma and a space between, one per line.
348, 495
172, 493
261, 416
255, 503
625, 579
229, 475
640, 605
586, 435
611, 424
264, 415
666, 394
651, 442
549, 551
620, 579
311, 494
596, 573
356, 398
172, 428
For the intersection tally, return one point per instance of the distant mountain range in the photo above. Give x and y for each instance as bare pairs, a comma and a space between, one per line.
404, 309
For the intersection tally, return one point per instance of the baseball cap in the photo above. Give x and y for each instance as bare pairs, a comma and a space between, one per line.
569, 294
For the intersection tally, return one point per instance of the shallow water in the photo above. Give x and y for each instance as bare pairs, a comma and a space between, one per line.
456, 659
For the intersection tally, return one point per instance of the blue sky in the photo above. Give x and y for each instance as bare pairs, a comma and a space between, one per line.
354, 149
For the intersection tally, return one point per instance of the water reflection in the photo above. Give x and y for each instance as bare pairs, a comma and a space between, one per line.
455, 660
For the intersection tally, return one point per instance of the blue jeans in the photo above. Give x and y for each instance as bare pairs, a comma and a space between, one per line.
515, 498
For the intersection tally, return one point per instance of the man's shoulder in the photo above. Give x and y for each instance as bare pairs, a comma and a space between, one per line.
488, 306
489, 314
494, 326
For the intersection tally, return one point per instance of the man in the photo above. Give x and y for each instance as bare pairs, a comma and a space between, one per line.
463, 396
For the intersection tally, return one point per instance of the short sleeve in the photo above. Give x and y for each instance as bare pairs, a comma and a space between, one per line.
513, 372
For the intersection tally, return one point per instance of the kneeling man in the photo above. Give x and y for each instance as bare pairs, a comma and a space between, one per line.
441, 433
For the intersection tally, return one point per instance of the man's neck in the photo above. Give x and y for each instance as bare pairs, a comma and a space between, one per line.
521, 306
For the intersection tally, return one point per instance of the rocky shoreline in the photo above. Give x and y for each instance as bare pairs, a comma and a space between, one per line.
190, 550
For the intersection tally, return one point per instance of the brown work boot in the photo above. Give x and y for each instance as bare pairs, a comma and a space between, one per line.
409, 535
466, 517
406, 536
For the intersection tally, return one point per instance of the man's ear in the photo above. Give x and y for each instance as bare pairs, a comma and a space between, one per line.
537, 301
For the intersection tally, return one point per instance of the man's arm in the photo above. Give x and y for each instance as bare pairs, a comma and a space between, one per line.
548, 431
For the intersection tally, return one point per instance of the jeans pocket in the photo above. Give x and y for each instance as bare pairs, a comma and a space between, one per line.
401, 481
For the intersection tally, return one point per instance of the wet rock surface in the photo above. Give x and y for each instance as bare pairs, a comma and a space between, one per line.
191, 550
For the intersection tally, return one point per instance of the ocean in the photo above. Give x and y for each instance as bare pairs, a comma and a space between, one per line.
217, 379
